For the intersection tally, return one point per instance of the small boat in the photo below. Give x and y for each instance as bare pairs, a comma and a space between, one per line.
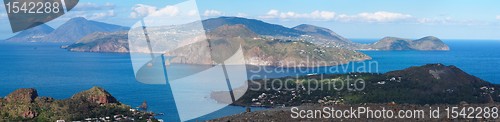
312, 74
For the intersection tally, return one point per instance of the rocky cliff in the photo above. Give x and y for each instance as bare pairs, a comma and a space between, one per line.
95, 103
34, 34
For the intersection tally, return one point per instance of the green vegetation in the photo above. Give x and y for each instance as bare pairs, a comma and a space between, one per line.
93, 104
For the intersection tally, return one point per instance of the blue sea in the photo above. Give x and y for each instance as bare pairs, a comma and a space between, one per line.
59, 73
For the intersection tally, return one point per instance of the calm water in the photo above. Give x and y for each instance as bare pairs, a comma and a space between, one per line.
58, 73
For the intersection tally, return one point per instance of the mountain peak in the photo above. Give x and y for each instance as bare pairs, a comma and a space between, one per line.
95, 95
231, 17
322, 32
304, 25
76, 28
393, 38
310, 28
78, 19
430, 37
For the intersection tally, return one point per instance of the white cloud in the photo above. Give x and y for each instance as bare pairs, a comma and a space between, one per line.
316, 15
212, 13
380, 16
89, 15
383, 16
272, 13
498, 17
102, 15
141, 10
167, 11
88, 6
327, 15
445, 20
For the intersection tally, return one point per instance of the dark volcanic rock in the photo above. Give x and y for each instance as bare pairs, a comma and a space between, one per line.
316, 35
257, 26
22, 96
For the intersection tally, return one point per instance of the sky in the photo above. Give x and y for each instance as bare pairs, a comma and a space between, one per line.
355, 19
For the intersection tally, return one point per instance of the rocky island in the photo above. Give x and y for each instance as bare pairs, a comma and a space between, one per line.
394, 43
101, 42
428, 84
265, 44
95, 104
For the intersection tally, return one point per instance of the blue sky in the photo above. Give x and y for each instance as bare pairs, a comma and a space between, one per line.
447, 19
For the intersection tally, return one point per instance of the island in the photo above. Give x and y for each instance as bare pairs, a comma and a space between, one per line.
264, 44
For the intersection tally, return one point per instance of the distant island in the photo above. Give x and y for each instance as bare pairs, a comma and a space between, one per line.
95, 104
266, 44
394, 43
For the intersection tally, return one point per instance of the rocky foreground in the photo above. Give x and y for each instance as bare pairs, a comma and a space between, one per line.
414, 88
95, 104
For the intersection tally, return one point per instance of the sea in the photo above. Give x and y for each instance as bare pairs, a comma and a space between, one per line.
58, 73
